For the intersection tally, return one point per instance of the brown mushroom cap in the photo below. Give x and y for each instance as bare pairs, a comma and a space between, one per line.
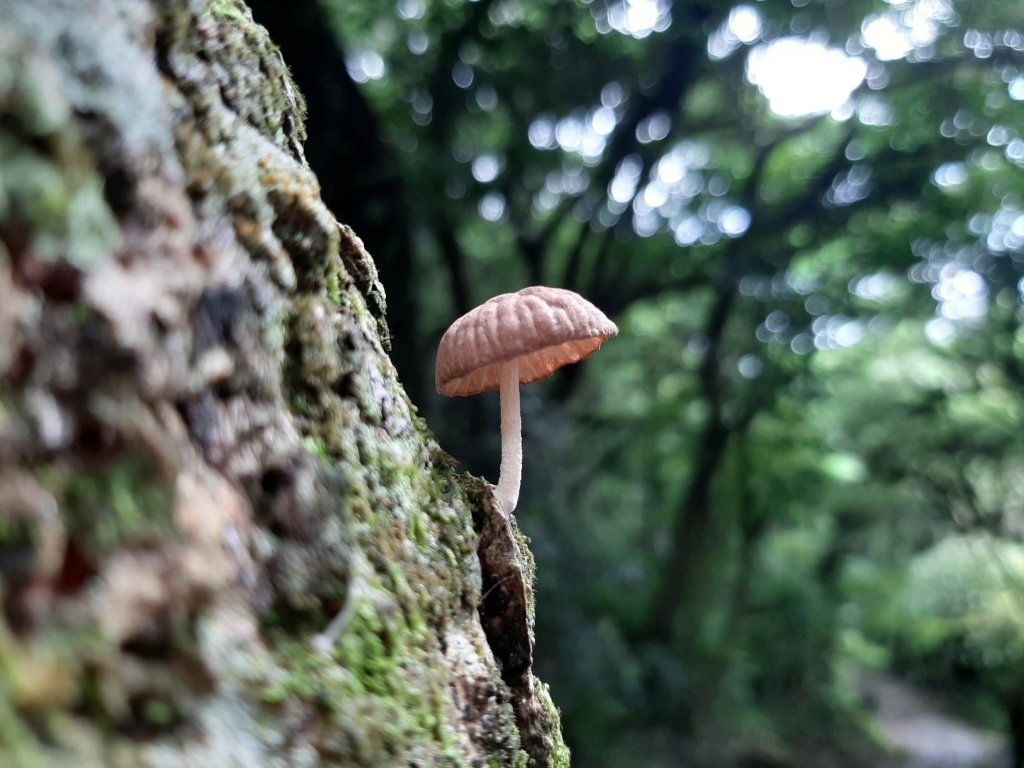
545, 328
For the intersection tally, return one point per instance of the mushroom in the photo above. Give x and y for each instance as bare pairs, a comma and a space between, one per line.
513, 339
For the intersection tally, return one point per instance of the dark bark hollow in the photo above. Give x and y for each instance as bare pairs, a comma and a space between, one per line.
205, 453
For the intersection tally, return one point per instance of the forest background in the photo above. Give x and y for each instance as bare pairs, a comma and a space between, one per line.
800, 463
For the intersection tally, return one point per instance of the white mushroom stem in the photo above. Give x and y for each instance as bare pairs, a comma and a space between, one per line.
511, 439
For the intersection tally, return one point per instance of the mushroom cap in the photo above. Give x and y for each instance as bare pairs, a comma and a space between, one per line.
545, 328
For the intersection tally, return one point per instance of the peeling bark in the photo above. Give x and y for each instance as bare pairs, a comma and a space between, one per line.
205, 454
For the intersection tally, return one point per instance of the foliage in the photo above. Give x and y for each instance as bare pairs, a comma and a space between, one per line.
814, 403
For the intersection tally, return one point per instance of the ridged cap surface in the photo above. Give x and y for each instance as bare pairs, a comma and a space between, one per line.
545, 328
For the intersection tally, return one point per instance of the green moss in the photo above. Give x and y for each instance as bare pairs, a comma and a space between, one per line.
304, 673
18, 745
371, 651
334, 287
62, 208
50, 189
127, 499
418, 533
230, 10
385, 686
16, 532
160, 713
298, 403
317, 447
378, 686
560, 757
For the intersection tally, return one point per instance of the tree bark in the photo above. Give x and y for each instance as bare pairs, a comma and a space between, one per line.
225, 536
359, 175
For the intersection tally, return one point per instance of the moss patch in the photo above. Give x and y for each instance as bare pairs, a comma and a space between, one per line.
126, 499
51, 198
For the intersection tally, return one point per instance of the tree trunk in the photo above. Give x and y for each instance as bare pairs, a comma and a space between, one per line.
1013, 705
690, 546
225, 536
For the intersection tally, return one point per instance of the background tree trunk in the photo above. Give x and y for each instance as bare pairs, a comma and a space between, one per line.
206, 459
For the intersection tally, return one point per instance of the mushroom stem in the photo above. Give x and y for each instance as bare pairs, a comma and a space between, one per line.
511, 439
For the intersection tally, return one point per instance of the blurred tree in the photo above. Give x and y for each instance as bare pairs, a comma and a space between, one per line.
964, 620
946, 436
757, 192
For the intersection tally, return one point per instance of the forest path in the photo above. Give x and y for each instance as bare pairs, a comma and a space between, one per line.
928, 736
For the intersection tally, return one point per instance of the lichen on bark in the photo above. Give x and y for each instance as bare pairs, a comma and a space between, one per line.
205, 453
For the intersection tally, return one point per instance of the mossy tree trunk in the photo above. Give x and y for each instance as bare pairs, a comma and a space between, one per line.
225, 536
